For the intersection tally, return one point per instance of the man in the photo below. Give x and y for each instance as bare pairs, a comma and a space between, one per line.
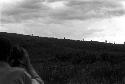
15, 75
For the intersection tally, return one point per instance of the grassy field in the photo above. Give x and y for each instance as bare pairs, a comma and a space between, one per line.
65, 61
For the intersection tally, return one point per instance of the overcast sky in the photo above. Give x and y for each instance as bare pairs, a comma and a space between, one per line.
97, 20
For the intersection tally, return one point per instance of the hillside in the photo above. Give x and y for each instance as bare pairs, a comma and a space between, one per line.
65, 61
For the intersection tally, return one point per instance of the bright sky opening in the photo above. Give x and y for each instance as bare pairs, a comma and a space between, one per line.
55, 5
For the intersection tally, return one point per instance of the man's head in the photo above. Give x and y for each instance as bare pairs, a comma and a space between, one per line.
5, 48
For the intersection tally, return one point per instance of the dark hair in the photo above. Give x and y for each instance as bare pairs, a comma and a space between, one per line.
5, 48
17, 54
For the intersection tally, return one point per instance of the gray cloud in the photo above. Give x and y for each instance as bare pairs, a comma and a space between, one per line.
75, 10
27, 10
82, 10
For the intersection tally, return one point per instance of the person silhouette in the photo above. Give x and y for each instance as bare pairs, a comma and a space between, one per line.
15, 66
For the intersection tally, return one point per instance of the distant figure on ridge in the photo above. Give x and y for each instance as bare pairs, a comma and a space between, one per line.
83, 39
105, 41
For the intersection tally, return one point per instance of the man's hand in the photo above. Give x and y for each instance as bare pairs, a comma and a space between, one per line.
26, 59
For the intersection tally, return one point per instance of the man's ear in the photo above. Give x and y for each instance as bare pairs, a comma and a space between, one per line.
10, 59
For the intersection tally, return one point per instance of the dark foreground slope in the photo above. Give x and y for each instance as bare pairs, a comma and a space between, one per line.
63, 61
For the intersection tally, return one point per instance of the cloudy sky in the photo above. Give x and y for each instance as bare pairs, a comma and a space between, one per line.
97, 20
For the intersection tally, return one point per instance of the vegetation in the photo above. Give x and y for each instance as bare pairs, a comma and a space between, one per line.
64, 61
